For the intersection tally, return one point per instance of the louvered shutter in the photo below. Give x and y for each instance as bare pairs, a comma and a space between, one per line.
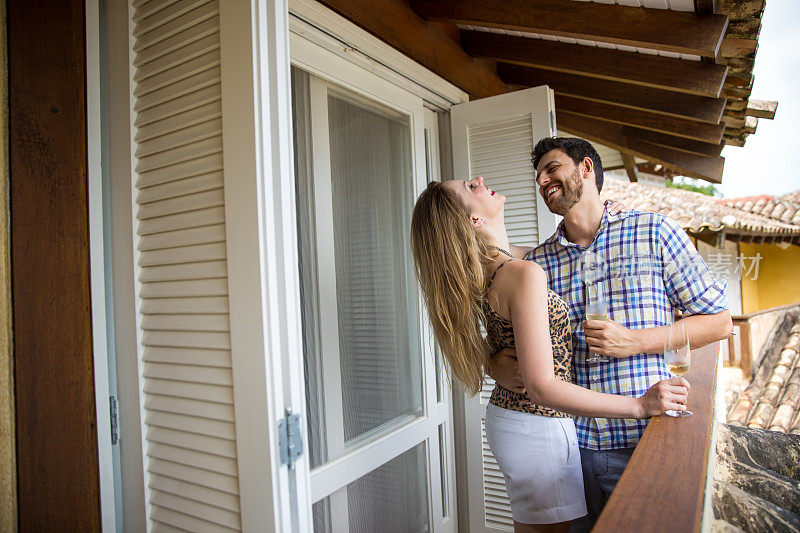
493, 137
182, 276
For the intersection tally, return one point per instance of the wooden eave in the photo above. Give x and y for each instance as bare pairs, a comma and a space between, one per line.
676, 100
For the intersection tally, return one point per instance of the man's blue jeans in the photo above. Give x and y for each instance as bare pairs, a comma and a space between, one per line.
601, 471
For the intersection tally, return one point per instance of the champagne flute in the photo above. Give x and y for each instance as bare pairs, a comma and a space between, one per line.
677, 356
596, 304
597, 309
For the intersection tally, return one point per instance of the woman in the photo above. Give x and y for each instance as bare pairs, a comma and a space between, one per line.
470, 280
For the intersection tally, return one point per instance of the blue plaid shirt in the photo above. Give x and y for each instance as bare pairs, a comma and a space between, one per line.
652, 269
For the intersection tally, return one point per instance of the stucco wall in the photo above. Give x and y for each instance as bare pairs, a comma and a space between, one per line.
8, 468
778, 281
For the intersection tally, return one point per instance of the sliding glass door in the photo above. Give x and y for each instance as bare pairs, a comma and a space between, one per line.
377, 429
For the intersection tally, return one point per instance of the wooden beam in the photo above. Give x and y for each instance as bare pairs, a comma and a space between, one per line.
705, 6
762, 109
611, 135
741, 9
692, 77
669, 103
58, 476
630, 166
657, 29
677, 143
690, 129
734, 141
735, 47
739, 79
395, 23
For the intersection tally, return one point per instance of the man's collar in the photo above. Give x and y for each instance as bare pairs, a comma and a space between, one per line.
560, 236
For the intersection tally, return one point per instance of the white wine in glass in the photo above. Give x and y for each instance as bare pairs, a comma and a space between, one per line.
597, 310
677, 356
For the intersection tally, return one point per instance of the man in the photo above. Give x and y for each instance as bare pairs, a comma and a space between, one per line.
651, 270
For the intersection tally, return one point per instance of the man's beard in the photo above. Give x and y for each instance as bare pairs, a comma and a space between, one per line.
571, 193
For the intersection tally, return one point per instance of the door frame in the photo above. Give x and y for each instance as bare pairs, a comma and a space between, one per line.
309, 54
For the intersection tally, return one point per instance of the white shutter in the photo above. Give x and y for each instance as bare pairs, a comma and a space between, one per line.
182, 287
494, 138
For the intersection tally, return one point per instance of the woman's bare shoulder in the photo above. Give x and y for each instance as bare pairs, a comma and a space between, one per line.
523, 273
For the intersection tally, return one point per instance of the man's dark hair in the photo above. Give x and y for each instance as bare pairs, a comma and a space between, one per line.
577, 149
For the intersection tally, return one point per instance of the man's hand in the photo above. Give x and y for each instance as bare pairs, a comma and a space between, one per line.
504, 369
606, 337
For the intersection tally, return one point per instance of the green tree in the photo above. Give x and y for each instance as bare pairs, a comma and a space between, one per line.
693, 185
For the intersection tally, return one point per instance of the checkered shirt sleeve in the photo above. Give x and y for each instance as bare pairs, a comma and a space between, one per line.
690, 285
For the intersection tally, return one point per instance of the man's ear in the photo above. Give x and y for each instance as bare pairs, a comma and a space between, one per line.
588, 167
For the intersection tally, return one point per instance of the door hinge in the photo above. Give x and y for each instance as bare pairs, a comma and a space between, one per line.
114, 420
290, 438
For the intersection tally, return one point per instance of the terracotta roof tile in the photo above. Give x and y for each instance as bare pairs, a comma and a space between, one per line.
697, 212
784, 208
772, 399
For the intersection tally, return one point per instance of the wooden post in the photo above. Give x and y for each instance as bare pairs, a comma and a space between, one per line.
747, 349
731, 350
56, 426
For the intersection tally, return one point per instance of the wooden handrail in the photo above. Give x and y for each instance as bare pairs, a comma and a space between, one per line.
663, 487
748, 316
745, 355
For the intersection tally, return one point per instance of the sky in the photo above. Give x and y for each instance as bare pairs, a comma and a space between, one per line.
768, 162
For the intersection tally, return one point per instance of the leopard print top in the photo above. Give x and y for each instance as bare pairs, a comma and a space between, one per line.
500, 334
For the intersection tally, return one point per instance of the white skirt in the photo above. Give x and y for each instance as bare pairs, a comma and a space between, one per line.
541, 464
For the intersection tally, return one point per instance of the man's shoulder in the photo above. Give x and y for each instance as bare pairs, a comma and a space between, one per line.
641, 223
638, 217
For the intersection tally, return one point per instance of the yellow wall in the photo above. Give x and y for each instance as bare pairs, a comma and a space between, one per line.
778, 280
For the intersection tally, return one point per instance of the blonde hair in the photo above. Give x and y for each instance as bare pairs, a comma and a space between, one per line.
450, 260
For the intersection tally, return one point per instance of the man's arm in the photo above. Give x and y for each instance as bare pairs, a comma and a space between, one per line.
614, 340
503, 367
691, 288
519, 251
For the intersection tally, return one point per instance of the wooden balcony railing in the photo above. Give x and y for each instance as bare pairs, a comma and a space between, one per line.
753, 330
665, 486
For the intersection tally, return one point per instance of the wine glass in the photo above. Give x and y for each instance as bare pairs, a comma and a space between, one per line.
677, 356
596, 309
596, 303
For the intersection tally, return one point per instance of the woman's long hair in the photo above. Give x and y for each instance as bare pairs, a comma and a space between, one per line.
450, 260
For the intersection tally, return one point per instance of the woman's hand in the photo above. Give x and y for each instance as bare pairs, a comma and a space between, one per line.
664, 395
615, 207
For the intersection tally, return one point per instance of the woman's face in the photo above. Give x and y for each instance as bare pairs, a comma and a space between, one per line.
481, 201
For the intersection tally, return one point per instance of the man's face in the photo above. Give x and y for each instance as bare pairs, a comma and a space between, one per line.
560, 181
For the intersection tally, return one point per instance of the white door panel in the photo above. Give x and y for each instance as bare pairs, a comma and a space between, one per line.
494, 137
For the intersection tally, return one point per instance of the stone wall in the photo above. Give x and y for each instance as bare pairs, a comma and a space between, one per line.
756, 480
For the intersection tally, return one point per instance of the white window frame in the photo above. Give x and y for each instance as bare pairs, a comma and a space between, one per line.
320, 62
263, 273
97, 257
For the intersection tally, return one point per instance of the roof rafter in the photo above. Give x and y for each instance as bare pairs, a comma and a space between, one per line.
690, 129
681, 75
395, 23
670, 103
630, 166
611, 135
677, 143
659, 29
